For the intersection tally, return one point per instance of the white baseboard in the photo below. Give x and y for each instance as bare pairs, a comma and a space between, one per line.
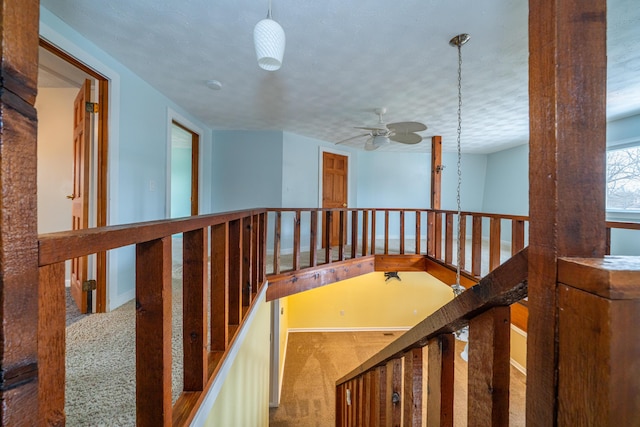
519, 367
360, 329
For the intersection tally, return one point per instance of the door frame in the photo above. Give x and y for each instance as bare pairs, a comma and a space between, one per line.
173, 117
100, 172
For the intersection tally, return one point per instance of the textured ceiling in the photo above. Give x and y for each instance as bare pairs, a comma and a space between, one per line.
345, 58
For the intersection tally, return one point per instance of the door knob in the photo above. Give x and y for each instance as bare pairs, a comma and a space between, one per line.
71, 196
344, 205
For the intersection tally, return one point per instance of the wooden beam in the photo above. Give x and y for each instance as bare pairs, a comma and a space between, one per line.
18, 219
153, 333
303, 280
567, 110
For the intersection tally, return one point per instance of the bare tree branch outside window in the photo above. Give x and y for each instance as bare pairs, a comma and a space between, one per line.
623, 179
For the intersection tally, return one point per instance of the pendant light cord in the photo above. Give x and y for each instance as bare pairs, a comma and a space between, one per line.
458, 289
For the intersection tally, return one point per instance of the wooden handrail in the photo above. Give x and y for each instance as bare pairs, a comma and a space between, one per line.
64, 245
502, 287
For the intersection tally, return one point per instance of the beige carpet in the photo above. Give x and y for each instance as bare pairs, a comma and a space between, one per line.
316, 360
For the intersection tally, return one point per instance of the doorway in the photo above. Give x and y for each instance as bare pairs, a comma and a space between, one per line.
185, 158
61, 203
335, 175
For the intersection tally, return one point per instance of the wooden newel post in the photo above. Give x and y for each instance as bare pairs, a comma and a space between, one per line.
599, 349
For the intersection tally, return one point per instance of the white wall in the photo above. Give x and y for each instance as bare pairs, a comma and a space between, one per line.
506, 188
137, 147
246, 170
55, 158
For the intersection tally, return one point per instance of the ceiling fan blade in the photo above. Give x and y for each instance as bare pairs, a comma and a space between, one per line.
406, 138
404, 127
352, 138
372, 128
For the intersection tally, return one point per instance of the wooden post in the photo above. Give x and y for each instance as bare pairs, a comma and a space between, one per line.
296, 241
436, 171
195, 277
494, 243
247, 254
153, 333
277, 243
18, 219
567, 100
599, 367
476, 245
313, 242
489, 352
440, 381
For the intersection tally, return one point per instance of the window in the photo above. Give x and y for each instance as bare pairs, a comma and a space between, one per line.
623, 179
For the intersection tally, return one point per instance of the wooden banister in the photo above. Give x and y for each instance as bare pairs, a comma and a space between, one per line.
502, 287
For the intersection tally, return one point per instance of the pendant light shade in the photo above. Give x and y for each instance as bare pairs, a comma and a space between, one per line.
269, 39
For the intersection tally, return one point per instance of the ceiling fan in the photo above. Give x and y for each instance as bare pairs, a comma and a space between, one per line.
383, 133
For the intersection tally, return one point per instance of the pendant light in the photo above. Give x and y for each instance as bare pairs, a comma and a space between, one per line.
463, 334
269, 40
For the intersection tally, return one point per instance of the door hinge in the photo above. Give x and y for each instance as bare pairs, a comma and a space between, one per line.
91, 107
89, 285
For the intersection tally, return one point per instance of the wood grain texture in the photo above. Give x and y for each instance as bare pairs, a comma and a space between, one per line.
440, 367
381, 376
64, 245
394, 385
494, 243
400, 263
51, 344
195, 277
277, 242
219, 287
303, 280
412, 396
448, 240
489, 365
153, 333
418, 233
19, 290
613, 277
567, 122
476, 245
598, 365
247, 255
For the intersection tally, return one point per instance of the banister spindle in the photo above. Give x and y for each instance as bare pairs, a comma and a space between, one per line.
313, 239
153, 333
247, 252
517, 236
394, 393
277, 242
51, 344
448, 239
194, 289
354, 233
476, 246
412, 395
440, 367
489, 353
220, 314
494, 243
402, 232
296, 241
235, 272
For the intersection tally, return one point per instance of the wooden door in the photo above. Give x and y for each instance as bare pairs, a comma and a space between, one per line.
334, 191
80, 196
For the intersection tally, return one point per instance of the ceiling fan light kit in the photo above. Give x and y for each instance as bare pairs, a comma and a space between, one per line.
269, 41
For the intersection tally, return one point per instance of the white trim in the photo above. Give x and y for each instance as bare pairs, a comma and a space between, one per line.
69, 47
518, 366
274, 377
172, 116
212, 394
359, 329
347, 154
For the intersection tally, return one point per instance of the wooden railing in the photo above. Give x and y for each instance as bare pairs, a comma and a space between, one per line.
237, 253
237, 246
387, 389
